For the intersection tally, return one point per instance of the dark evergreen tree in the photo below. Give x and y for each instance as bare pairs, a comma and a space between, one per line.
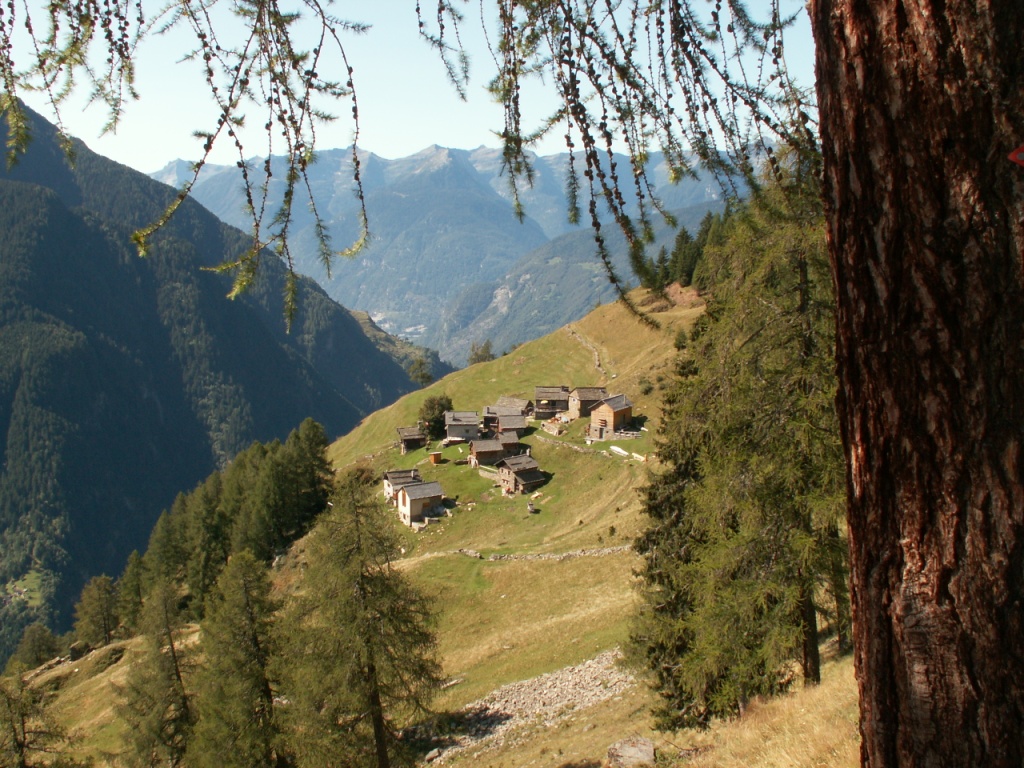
288, 487
37, 646
419, 371
166, 555
744, 520
359, 649
154, 701
237, 726
687, 250
480, 352
208, 535
131, 589
431, 415
96, 611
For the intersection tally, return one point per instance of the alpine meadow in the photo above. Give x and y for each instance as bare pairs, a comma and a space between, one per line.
830, 369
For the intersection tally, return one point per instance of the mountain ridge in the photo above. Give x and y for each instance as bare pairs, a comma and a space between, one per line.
447, 252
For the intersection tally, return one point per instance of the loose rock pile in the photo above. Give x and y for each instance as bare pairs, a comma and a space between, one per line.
503, 716
602, 552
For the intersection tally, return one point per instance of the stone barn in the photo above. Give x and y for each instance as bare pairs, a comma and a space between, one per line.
418, 501
394, 479
520, 474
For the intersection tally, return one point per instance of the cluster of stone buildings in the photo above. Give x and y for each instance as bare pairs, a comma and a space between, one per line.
493, 438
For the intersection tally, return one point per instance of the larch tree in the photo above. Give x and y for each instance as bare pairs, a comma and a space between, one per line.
237, 723
29, 735
742, 551
155, 700
96, 611
358, 648
919, 107
921, 104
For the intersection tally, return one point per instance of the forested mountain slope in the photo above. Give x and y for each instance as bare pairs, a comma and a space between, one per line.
125, 380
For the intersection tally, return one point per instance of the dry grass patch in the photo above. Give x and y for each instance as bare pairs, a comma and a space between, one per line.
808, 727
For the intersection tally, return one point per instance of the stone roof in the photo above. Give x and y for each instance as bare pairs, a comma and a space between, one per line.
530, 476
423, 490
398, 474
486, 446
498, 411
551, 393
461, 417
516, 421
517, 464
590, 393
508, 438
514, 402
410, 433
617, 402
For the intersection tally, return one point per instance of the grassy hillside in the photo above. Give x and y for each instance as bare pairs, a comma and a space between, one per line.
509, 619
560, 589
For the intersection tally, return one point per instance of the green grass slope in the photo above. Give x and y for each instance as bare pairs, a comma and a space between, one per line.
562, 590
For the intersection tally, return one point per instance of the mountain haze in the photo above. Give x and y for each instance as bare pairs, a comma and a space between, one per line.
448, 262
124, 381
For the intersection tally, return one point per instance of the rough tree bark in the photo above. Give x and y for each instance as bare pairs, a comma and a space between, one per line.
920, 104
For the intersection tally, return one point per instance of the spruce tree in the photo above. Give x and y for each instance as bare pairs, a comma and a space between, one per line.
359, 646
237, 723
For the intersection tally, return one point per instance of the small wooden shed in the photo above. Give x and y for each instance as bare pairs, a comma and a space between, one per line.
485, 452
610, 416
582, 400
411, 438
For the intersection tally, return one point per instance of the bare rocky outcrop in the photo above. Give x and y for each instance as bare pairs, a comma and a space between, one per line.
634, 752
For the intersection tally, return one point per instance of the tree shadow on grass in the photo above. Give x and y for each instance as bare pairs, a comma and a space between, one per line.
452, 729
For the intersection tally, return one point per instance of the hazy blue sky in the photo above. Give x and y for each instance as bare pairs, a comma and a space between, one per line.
406, 104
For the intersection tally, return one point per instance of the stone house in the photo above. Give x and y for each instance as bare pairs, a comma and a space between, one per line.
410, 438
510, 443
486, 452
582, 400
461, 425
525, 407
418, 501
609, 416
516, 424
520, 474
550, 401
492, 413
394, 479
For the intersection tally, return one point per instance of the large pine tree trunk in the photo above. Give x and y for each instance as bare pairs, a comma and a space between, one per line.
920, 105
